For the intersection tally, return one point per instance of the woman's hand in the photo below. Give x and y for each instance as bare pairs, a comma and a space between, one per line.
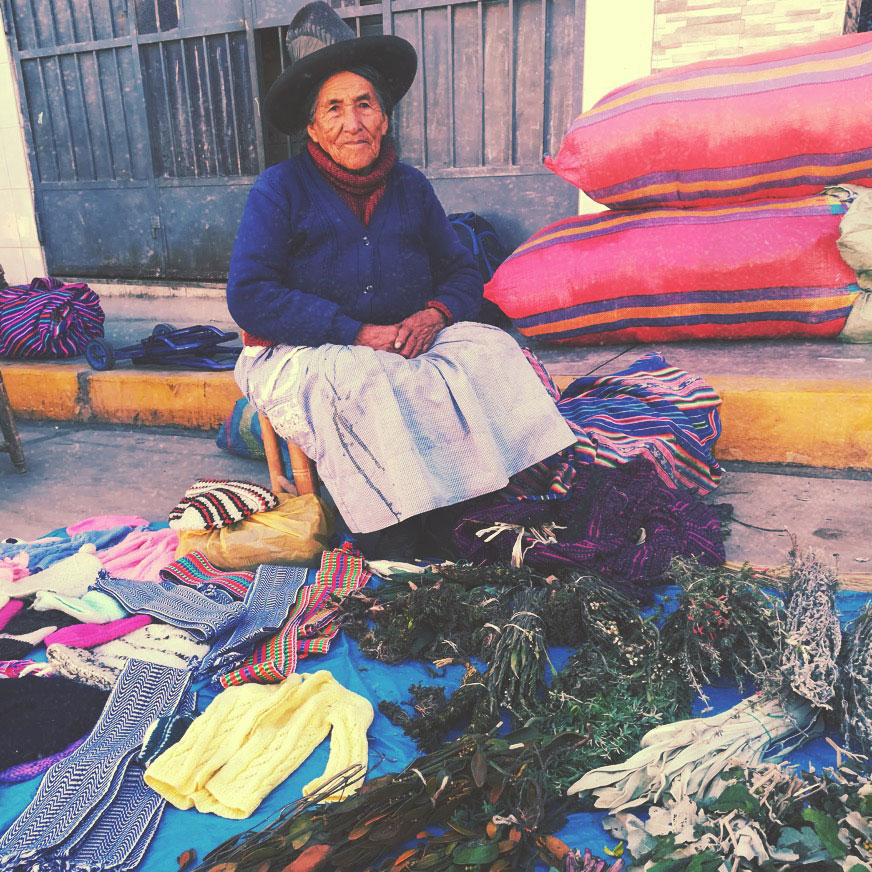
418, 332
381, 338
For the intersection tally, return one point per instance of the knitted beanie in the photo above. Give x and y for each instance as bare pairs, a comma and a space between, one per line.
90, 635
71, 575
94, 607
211, 503
40, 716
31, 619
101, 666
27, 771
27, 629
9, 610
162, 735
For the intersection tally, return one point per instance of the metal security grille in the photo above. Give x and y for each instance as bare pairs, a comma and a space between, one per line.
145, 136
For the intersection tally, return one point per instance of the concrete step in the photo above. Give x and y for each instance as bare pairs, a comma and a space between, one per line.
795, 402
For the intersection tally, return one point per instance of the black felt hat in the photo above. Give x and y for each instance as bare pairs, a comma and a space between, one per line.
320, 44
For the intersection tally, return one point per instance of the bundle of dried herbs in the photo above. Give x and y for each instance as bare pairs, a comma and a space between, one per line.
814, 637
768, 818
428, 618
488, 792
446, 611
580, 609
686, 758
855, 685
612, 702
468, 709
516, 672
725, 624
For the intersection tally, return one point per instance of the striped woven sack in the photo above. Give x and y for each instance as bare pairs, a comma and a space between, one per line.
785, 123
48, 319
763, 269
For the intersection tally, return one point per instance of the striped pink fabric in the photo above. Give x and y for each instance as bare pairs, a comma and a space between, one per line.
750, 270
48, 319
785, 123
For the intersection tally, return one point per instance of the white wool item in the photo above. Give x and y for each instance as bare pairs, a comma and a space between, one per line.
71, 576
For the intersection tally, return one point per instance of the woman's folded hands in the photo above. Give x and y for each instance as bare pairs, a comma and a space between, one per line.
411, 337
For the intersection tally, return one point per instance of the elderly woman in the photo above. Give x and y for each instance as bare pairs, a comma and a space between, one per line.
363, 298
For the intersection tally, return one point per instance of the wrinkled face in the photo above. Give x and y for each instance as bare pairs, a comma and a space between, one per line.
349, 123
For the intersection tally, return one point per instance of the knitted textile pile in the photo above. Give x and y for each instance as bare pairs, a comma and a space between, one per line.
70, 576
251, 738
309, 627
210, 503
27, 629
101, 666
141, 555
49, 550
41, 715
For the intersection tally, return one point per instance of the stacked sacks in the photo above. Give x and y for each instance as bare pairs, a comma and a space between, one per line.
728, 159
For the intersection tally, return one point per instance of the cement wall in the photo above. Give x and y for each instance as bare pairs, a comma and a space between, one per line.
20, 252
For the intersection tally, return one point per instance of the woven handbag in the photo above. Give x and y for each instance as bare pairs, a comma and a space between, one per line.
48, 319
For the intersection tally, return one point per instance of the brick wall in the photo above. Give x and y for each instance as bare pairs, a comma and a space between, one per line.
693, 30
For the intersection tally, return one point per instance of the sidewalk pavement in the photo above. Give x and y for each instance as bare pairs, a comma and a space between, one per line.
76, 471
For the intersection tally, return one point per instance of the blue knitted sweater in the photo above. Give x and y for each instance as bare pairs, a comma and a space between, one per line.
306, 271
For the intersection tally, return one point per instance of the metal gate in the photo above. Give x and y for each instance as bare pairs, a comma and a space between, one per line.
145, 136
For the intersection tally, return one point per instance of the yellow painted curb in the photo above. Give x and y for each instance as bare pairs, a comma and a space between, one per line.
196, 400
45, 391
812, 422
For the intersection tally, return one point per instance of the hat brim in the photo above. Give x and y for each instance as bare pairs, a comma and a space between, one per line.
391, 56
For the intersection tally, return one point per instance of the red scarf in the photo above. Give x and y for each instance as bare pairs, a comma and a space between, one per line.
361, 192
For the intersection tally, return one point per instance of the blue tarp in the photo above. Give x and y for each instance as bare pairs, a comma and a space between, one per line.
389, 750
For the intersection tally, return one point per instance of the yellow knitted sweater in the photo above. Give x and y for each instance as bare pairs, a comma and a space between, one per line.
252, 737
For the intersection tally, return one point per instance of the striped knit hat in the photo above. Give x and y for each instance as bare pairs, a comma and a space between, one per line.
210, 503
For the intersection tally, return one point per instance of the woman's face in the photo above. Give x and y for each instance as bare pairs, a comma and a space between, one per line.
349, 123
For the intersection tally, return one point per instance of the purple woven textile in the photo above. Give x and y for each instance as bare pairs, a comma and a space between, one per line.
26, 771
623, 523
48, 319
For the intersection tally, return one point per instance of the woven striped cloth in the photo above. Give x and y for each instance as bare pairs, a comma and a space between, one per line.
48, 319
652, 410
309, 628
93, 809
197, 571
269, 601
784, 123
764, 269
648, 409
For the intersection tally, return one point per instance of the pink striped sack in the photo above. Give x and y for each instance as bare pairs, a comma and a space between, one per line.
48, 319
752, 270
785, 123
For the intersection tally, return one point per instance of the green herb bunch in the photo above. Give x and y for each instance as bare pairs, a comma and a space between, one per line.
725, 624
429, 618
516, 671
468, 709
